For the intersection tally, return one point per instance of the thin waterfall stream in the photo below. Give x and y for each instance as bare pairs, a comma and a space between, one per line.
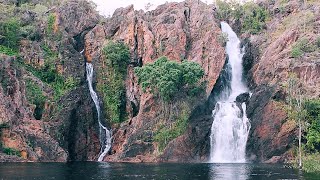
230, 127
104, 134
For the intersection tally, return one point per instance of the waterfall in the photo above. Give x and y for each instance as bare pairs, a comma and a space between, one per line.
230, 127
104, 134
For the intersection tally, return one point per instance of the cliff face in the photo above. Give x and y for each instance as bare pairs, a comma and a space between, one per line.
63, 125
178, 31
270, 61
46, 112
21, 131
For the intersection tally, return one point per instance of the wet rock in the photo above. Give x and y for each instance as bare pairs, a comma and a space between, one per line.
243, 98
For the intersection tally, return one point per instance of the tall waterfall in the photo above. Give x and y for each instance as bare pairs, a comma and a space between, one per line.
230, 127
104, 134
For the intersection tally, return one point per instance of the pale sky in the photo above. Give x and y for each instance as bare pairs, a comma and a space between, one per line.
107, 7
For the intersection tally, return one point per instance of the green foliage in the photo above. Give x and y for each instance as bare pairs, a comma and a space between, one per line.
313, 119
35, 96
296, 52
50, 23
10, 32
70, 83
11, 151
164, 135
112, 78
8, 51
252, 16
40, 9
59, 84
29, 32
311, 163
295, 99
224, 10
306, 45
117, 56
169, 78
302, 46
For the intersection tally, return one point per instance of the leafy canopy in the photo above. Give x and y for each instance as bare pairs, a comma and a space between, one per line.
111, 80
10, 33
168, 78
251, 16
313, 130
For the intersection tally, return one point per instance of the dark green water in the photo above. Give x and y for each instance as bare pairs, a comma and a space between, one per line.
95, 170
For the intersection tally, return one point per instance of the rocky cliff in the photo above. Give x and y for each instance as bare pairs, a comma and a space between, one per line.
46, 112
270, 60
179, 31
61, 125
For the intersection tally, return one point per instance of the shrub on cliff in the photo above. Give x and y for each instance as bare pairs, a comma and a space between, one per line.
111, 78
313, 119
303, 46
10, 33
252, 16
169, 78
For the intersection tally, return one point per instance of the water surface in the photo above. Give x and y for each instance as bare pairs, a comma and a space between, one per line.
101, 170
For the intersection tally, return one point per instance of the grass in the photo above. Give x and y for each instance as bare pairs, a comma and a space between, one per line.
305, 23
311, 163
11, 151
8, 51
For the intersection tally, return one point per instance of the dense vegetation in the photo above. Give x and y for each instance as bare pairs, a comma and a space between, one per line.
166, 133
111, 82
306, 113
313, 125
35, 96
9, 30
251, 16
170, 79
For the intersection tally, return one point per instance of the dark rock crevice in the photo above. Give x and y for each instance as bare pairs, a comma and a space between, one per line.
79, 43
250, 57
72, 135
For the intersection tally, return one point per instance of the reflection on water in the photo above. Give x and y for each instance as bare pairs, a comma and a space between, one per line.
100, 170
230, 171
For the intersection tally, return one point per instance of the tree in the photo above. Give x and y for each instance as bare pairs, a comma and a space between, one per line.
313, 120
10, 30
169, 78
296, 109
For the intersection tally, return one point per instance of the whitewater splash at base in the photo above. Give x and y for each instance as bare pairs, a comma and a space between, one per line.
104, 134
230, 127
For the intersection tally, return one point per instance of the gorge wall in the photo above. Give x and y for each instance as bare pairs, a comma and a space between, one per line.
71, 33
270, 61
177, 30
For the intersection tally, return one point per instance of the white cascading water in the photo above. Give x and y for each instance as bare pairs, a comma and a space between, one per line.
104, 134
230, 127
